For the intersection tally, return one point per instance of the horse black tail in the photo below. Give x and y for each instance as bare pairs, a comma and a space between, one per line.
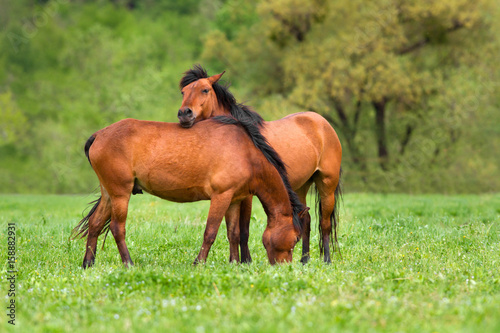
82, 228
272, 156
334, 217
89, 143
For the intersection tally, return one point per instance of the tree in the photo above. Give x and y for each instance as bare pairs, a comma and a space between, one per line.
12, 120
378, 69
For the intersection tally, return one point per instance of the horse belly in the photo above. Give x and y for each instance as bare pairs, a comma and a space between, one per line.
181, 195
174, 186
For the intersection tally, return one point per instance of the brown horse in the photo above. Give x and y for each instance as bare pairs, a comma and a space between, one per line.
305, 141
182, 165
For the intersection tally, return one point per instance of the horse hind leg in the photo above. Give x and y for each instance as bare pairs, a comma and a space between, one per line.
96, 223
326, 187
325, 228
119, 209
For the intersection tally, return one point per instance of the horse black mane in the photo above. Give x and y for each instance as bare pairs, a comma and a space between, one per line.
225, 98
273, 157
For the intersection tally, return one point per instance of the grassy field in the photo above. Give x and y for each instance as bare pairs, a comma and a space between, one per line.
409, 264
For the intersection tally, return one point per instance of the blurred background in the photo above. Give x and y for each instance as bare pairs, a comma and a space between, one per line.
410, 86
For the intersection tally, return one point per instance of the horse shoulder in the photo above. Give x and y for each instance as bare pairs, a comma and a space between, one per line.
234, 157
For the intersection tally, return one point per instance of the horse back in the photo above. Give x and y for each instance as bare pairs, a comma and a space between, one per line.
172, 162
306, 142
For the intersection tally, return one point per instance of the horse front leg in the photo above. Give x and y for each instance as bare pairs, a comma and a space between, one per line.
233, 232
218, 207
245, 216
306, 223
306, 234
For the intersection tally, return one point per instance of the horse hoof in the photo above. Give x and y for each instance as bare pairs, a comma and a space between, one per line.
87, 264
246, 258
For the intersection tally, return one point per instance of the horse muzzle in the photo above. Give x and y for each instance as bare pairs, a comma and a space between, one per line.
186, 117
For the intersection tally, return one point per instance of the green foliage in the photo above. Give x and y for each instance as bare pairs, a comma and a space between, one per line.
411, 87
400, 81
413, 263
235, 44
104, 63
12, 119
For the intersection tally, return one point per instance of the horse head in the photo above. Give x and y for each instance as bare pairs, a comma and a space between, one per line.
199, 101
279, 243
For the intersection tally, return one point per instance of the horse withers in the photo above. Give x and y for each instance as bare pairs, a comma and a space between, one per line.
306, 142
181, 165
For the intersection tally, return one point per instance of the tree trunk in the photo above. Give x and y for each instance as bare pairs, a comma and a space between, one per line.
349, 133
383, 153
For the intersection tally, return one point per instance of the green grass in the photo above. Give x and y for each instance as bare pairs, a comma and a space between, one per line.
409, 264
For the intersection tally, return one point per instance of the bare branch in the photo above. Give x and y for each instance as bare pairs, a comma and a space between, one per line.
341, 112
406, 139
357, 113
410, 48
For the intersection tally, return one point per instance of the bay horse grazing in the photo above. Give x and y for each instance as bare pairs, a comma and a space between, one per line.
182, 165
306, 142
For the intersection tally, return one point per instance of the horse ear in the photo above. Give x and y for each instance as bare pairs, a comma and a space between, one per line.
215, 78
303, 212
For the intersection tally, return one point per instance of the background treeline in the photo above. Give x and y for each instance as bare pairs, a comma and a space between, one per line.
411, 86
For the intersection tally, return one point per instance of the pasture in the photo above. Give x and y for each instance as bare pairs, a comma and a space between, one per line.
427, 263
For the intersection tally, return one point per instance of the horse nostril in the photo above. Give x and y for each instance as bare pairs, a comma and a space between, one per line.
185, 112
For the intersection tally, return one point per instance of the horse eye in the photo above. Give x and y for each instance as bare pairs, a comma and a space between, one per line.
205, 91
182, 93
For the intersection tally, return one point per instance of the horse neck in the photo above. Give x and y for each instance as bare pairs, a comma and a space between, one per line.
273, 195
219, 110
